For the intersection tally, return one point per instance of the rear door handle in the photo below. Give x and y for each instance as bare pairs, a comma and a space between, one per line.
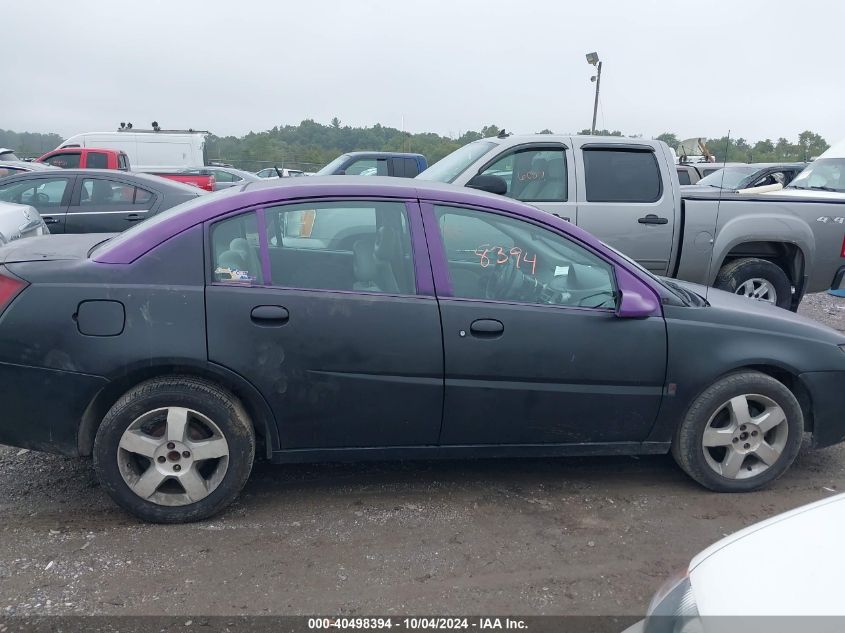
487, 328
653, 219
269, 315
133, 217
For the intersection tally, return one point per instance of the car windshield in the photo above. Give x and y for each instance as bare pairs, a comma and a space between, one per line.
729, 177
333, 166
824, 174
449, 167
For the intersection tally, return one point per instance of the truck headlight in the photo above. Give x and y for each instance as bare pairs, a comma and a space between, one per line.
673, 608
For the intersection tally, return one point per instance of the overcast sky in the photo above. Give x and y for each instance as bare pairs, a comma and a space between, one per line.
761, 68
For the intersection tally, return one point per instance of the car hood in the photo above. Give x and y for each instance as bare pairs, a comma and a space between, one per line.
816, 194
737, 311
791, 563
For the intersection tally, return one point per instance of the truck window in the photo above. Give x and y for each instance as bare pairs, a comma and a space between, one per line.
67, 160
683, 177
121, 162
532, 175
97, 160
621, 175
367, 167
411, 167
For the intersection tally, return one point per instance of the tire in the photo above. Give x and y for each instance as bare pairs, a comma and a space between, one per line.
738, 277
169, 431
713, 413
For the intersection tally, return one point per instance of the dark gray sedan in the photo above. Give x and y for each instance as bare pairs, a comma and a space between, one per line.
225, 177
94, 200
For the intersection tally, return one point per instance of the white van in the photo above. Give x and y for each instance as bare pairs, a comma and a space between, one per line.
149, 150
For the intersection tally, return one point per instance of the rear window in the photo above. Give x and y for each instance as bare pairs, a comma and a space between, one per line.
621, 175
683, 177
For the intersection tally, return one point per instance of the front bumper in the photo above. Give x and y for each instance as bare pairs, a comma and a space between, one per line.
828, 404
42, 409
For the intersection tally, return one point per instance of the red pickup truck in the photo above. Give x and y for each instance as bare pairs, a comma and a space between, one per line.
88, 158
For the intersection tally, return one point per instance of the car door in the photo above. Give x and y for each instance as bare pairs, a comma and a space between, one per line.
50, 195
622, 200
106, 205
325, 307
534, 353
539, 174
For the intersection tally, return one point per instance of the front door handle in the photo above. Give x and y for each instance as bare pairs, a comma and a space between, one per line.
49, 219
653, 219
133, 217
487, 328
269, 315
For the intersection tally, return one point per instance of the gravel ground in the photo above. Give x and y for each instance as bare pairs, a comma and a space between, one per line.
529, 537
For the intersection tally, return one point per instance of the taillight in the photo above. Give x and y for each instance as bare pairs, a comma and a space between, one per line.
10, 287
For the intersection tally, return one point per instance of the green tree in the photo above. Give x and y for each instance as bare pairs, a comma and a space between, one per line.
670, 139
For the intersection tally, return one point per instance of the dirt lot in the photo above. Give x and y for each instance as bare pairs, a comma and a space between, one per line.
574, 536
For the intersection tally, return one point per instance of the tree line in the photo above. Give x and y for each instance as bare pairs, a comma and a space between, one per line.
310, 145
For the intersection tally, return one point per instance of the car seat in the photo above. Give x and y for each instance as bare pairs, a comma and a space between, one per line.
370, 266
241, 246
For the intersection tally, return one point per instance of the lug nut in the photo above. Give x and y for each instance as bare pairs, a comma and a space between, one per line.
185, 454
735, 440
746, 445
753, 433
742, 428
177, 467
161, 459
171, 445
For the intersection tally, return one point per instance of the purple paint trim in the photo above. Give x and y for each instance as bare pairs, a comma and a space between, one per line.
442, 280
419, 248
638, 299
263, 246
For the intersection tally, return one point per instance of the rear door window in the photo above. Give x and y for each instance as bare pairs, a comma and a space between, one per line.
98, 194
235, 250
97, 160
621, 175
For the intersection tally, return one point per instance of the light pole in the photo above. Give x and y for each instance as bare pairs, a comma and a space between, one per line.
593, 58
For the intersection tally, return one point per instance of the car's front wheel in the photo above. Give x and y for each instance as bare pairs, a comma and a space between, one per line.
175, 449
740, 434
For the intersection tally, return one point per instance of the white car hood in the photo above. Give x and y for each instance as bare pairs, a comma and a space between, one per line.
790, 564
816, 194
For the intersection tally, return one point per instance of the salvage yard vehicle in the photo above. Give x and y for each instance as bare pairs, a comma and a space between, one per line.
18, 221
398, 164
94, 200
750, 178
801, 581
224, 177
14, 167
461, 324
767, 246
279, 172
823, 179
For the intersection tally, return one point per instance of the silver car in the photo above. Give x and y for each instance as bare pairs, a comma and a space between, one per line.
18, 221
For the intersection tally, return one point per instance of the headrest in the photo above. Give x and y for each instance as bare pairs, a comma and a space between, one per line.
240, 245
387, 244
231, 259
363, 259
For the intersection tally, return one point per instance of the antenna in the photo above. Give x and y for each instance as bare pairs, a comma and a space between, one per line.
716, 223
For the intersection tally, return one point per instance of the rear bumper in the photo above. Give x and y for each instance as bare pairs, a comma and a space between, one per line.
838, 284
42, 409
826, 389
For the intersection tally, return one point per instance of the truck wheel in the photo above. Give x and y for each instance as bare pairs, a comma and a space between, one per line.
757, 279
740, 434
174, 449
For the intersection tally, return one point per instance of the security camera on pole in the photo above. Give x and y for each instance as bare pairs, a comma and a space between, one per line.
593, 58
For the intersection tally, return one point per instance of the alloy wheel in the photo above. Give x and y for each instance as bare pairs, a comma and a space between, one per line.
173, 456
745, 436
759, 289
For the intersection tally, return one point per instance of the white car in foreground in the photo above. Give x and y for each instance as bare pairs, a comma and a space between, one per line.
789, 565
18, 221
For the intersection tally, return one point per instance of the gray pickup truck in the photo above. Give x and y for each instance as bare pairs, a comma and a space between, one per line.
626, 192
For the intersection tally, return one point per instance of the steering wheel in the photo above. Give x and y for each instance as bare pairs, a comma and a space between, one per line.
503, 281
42, 197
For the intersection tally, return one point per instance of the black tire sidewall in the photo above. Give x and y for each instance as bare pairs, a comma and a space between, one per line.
733, 275
219, 406
688, 449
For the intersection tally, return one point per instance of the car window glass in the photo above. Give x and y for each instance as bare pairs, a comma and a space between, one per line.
97, 160
614, 175
121, 161
234, 248
8, 171
367, 167
354, 246
532, 175
66, 161
40, 193
498, 258
223, 176
143, 197
101, 192
411, 167
683, 177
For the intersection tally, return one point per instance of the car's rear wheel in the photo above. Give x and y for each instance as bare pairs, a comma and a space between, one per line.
740, 434
756, 279
175, 449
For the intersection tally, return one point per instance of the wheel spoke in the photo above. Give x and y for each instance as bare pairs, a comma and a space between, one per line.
140, 443
718, 437
193, 484
209, 449
177, 422
767, 453
739, 410
732, 463
148, 483
769, 419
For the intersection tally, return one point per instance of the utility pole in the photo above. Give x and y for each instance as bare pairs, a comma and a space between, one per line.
593, 59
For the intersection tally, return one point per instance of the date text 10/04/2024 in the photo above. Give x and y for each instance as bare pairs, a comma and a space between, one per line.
418, 623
